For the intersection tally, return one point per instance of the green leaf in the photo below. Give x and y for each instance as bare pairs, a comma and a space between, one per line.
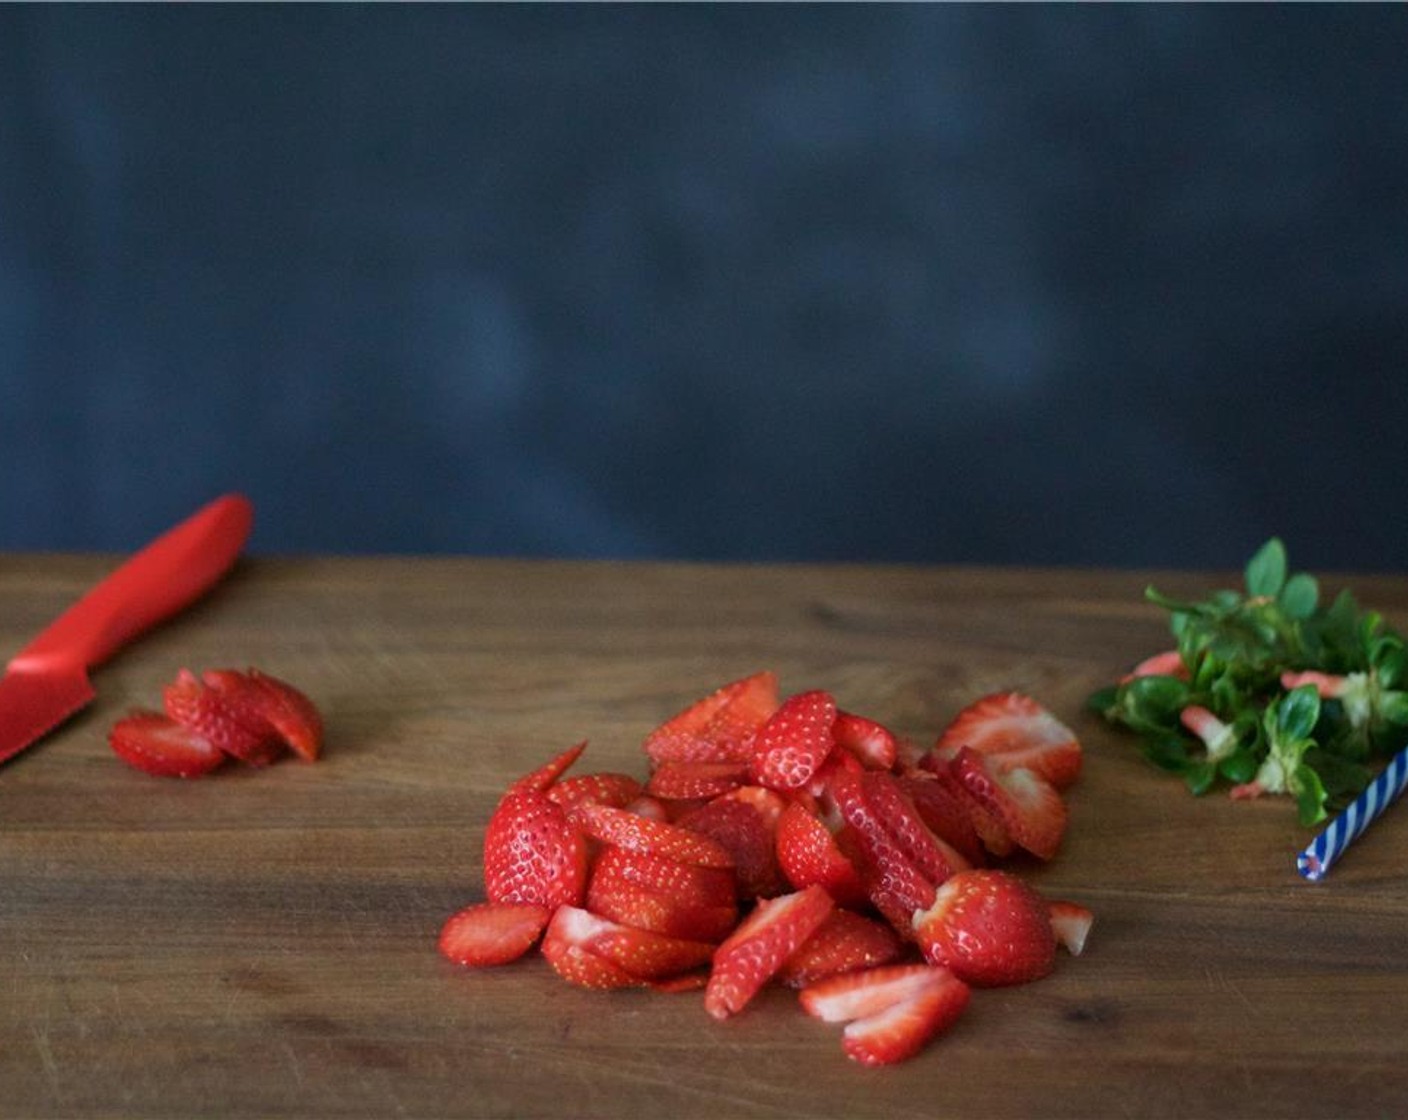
1102, 700
1266, 570
1166, 751
1299, 597
1393, 707
1239, 766
1297, 713
1154, 702
1310, 795
1199, 778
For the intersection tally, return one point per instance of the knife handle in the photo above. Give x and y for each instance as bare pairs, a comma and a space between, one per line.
165, 576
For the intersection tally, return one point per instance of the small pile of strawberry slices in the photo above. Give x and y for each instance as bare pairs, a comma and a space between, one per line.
221, 714
786, 841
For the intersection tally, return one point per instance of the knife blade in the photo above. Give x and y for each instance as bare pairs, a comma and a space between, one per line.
47, 681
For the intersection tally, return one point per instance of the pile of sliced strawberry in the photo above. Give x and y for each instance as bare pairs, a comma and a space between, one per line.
787, 842
223, 713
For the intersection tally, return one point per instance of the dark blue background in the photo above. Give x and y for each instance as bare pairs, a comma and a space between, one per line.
1066, 284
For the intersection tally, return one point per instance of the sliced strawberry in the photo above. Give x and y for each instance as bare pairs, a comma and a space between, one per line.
745, 826
935, 859
546, 776
719, 727
793, 744
989, 928
236, 728
663, 895
532, 853
584, 968
754, 952
870, 742
845, 942
1029, 807
606, 788
808, 853
678, 781
1017, 732
294, 716
157, 745
642, 953
492, 933
1071, 923
641, 834
650, 807
895, 885
269, 706
946, 811
892, 1012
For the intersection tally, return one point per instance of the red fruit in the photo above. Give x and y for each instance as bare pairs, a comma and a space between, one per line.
1071, 923
641, 834
642, 953
647, 806
271, 706
617, 790
157, 745
219, 717
892, 1013
895, 885
719, 727
584, 968
1017, 732
1166, 664
546, 776
1028, 806
754, 952
935, 859
663, 895
793, 744
989, 928
872, 743
946, 811
745, 827
845, 942
808, 854
492, 933
532, 853
680, 781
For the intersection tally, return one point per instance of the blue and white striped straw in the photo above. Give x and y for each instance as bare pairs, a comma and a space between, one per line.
1345, 829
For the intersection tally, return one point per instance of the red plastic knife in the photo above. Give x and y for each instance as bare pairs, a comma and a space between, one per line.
48, 680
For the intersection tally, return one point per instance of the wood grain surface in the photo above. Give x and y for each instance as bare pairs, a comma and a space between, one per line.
262, 943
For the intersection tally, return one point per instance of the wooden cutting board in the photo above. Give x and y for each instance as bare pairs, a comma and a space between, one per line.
262, 943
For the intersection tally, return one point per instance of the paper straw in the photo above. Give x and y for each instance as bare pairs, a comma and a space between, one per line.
1345, 829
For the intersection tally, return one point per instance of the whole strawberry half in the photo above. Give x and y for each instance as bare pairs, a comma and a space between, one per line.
989, 928
1016, 731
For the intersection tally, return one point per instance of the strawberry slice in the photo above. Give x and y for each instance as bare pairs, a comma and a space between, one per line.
809, 853
892, 1013
492, 933
754, 952
1071, 923
584, 968
532, 853
790, 748
947, 811
989, 928
681, 781
895, 885
641, 834
642, 953
663, 895
873, 744
1017, 732
744, 823
935, 859
158, 745
1029, 807
235, 727
845, 942
719, 727
268, 706
546, 776
606, 788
